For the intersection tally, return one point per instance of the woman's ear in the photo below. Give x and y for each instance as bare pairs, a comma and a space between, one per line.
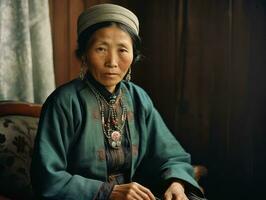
84, 67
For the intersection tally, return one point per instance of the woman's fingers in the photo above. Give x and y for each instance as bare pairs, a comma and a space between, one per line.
170, 196
131, 191
175, 192
144, 192
167, 196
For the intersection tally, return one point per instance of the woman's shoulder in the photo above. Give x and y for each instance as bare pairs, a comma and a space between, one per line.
67, 91
137, 93
133, 88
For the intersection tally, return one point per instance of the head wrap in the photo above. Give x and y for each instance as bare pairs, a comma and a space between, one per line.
107, 12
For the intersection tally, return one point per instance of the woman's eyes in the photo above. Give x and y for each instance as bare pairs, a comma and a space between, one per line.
123, 50
104, 49
100, 49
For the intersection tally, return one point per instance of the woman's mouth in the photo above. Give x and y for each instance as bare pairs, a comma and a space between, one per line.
111, 74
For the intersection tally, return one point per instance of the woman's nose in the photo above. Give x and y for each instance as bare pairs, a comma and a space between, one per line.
111, 59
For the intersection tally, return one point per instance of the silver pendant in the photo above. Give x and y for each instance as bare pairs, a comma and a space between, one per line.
115, 139
116, 136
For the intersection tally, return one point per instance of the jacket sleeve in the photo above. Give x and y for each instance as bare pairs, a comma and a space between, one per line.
50, 178
169, 160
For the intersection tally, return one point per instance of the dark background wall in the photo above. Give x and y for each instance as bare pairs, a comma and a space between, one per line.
205, 70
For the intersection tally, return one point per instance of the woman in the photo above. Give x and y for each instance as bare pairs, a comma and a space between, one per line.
99, 136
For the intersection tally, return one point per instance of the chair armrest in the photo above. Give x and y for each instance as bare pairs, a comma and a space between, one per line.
200, 171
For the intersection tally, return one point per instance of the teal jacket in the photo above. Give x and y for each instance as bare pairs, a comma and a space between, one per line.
69, 156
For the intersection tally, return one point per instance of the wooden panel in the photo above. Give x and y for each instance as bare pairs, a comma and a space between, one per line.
238, 153
60, 40
158, 72
75, 8
256, 126
194, 108
64, 16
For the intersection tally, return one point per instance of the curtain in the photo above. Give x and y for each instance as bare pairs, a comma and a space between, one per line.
26, 61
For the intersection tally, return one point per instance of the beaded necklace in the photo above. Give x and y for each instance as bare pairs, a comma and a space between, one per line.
112, 129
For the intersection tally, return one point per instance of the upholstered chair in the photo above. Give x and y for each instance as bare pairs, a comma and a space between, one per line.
18, 125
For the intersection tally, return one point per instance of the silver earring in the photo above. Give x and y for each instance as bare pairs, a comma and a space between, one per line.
81, 73
128, 76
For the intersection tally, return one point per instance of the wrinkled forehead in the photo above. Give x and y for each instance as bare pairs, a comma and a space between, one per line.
111, 35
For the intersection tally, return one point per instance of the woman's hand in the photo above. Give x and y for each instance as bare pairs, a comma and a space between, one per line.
131, 191
175, 191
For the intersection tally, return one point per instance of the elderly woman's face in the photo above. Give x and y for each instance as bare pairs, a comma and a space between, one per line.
109, 56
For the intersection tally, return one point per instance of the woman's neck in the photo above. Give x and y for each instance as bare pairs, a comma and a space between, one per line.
108, 93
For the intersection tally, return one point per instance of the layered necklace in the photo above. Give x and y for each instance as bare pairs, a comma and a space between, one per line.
113, 127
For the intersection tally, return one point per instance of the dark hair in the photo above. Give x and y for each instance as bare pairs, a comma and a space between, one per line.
85, 36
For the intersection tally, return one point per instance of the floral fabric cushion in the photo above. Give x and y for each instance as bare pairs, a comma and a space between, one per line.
17, 134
